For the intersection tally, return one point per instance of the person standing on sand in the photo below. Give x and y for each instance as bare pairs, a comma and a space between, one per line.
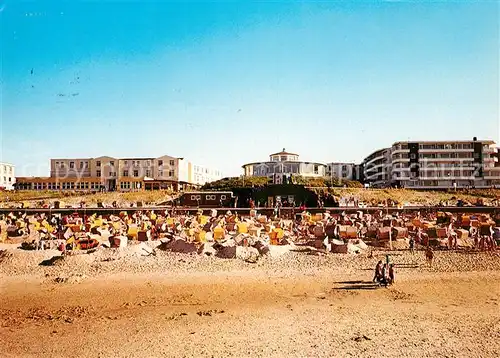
419, 235
378, 272
429, 255
412, 244
385, 275
391, 274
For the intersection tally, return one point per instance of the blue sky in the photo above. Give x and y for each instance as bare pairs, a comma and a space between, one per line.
223, 83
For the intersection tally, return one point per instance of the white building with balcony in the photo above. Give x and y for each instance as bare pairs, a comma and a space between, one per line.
282, 165
7, 176
445, 164
377, 168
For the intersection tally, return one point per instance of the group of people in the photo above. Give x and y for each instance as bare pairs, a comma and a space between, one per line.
384, 273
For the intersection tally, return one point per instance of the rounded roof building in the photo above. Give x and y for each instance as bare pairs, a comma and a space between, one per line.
284, 163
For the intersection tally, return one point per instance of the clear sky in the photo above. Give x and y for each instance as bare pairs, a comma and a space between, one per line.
223, 83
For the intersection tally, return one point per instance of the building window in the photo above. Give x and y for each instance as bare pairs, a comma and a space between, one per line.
160, 163
57, 165
86, 165
171, 173
316, 169
172, 163
136, 173
71, 165
81, 165
98, 164
160, 173
148, 173
125, 173
98, 173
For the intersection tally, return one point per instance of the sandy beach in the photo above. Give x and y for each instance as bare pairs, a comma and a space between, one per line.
313, 306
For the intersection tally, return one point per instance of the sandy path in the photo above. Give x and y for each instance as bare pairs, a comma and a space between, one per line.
151, 315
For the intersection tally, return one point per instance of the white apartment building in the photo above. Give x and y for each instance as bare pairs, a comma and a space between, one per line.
7, 176
346, 171
377, 168
445, 164
435, 165
202, 175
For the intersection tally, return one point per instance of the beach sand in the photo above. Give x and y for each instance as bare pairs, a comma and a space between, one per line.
252, 312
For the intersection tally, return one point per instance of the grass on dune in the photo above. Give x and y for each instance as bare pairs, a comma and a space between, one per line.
73, 198
416, 196
372, 196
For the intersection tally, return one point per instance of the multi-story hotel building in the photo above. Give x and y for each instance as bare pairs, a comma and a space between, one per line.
435, 164
377, 168
202, 175
345, 171
7, 176
283, 164
444, 164
122, 174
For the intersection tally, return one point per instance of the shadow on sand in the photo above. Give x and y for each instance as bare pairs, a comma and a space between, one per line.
357, 285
